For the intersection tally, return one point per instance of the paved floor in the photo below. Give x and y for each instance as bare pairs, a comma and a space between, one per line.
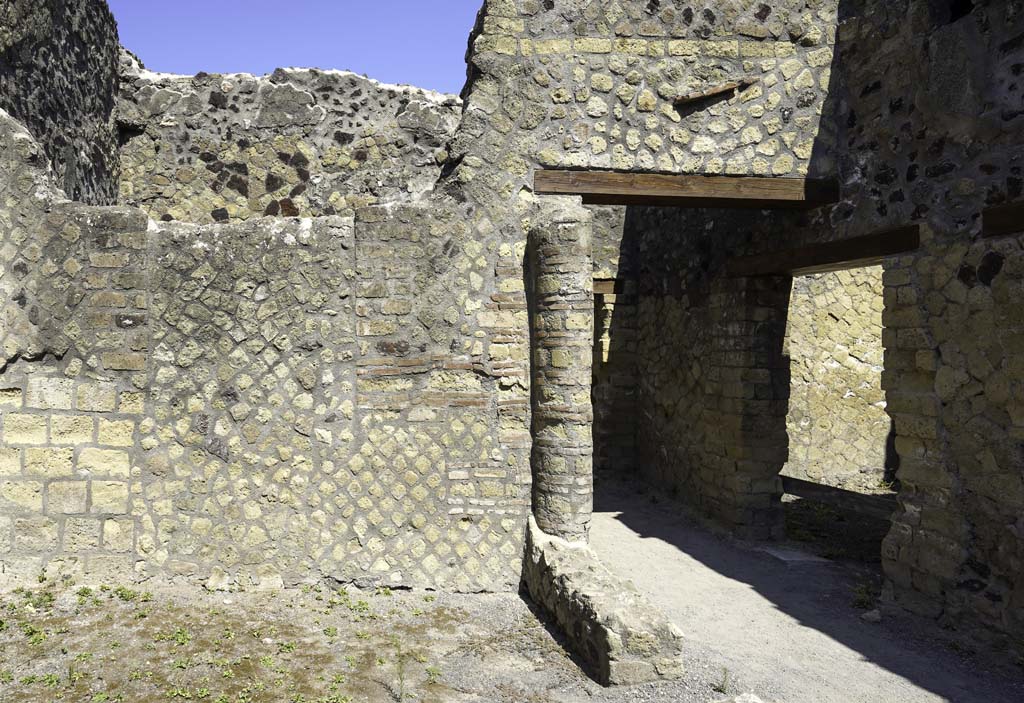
783, 627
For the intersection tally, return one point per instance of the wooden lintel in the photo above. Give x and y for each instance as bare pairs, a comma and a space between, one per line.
856, 252
617, 188
1000, 220
612, 286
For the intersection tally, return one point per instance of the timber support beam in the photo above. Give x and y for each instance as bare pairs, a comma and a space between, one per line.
856, 252
615, 188
1000, 220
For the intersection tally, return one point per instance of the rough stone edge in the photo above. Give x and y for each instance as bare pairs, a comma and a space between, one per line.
614, 628
132, 69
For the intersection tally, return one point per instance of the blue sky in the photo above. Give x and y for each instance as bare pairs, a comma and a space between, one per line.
422, 42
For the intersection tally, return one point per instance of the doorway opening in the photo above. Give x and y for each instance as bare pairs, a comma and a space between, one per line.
841, 478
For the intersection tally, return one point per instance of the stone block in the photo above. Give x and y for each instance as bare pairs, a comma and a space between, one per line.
116, 433
24, 428
10, 461
609, 623
6, 533
10, 398
105, 462
71, 429
24, 494
49, 393
109, 498
96, 397
118, 534
66, 497
50, 463
117, 361
36, 534
81, 533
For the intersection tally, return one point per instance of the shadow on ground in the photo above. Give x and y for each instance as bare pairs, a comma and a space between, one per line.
790, 626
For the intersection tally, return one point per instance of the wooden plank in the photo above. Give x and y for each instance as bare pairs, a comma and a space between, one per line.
879, 506
615, 188
1000, 220
614, 286
856, 252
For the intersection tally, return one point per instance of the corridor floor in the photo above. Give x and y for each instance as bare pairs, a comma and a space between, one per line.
782, 624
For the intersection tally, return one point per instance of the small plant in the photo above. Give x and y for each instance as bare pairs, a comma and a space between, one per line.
6, 676
125, 594
864, 596
286, 648
402, 658
180, 637
34, 634
723, 685
51, 680
331, 631
433, 674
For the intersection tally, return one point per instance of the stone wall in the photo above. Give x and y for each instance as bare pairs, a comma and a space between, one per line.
264, 402
72, 302
351, 396
712, 379
58, 77
936, 150
917, 149
591, 84
837, 424
299, 142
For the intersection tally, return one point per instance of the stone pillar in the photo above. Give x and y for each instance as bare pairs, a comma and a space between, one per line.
562, 330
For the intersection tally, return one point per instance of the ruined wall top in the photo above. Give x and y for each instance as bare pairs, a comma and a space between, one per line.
299, 142
58, 77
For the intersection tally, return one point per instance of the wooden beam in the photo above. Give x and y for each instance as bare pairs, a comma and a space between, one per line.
856, 252
880, 506
1000, 220
615, 188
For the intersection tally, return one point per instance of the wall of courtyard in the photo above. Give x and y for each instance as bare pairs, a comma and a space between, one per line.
349, 396
261, 403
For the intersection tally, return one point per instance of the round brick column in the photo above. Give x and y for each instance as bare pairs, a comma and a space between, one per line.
562, 329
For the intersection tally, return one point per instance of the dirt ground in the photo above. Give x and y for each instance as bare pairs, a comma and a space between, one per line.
786, 621
773, 620
102, 644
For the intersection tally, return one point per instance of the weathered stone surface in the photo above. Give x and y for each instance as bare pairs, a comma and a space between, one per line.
356, 395
299, 142
837, 423
609, 623
58, 77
